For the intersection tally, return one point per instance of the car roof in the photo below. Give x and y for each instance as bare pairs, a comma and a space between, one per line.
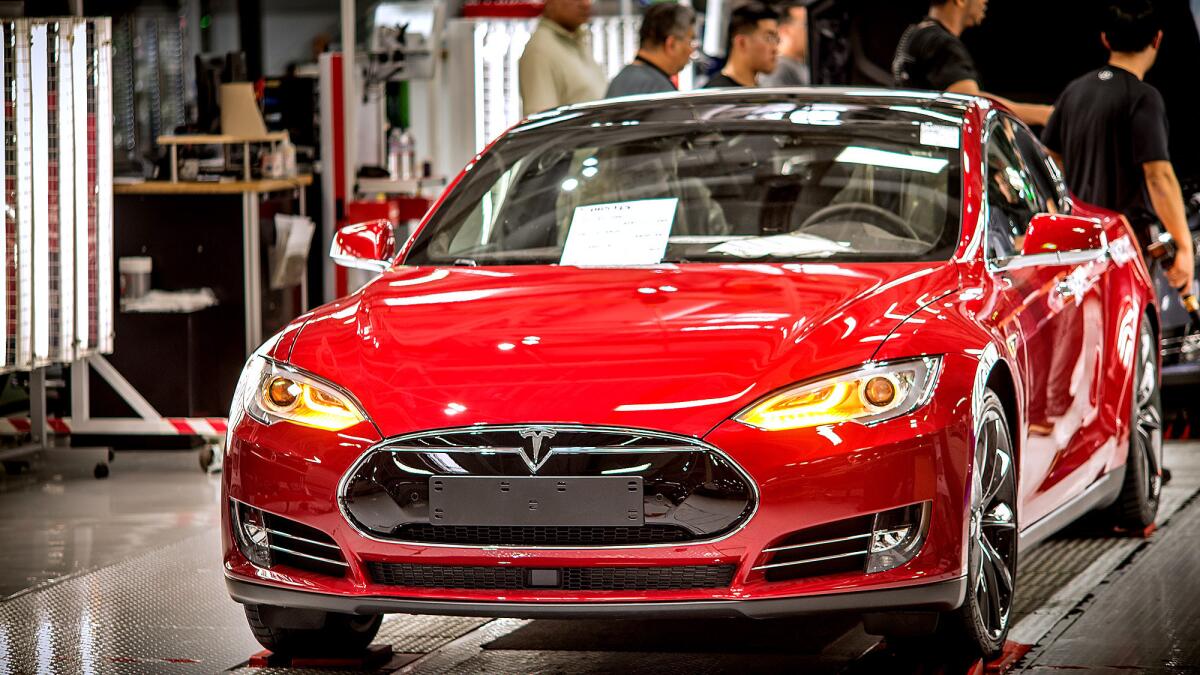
845, 105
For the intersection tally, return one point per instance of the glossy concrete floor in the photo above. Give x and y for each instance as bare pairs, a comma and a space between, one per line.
123, 575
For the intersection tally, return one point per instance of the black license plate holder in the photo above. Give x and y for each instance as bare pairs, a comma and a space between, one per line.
580, 501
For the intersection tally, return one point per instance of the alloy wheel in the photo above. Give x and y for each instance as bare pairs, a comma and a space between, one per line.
993, 526
1148, 417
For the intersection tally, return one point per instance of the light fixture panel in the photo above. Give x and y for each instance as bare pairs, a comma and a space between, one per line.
56, 290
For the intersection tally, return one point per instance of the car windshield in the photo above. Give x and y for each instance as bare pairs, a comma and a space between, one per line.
721, 191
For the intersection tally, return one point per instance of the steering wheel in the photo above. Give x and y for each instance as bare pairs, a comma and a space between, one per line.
893, 223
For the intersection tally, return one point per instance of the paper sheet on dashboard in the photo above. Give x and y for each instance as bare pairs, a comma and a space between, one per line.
621, 233
782, 245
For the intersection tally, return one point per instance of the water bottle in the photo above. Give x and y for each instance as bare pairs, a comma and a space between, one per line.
408, 155
393, 153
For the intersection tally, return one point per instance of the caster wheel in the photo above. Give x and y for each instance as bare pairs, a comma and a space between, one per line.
111, 455
211, 458
16, 467
206, 458
101, 471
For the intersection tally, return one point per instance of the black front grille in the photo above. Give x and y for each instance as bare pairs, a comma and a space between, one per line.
561, 578
690, 491
482, 535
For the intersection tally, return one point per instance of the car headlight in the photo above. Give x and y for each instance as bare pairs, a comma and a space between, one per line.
874, 393
270, 392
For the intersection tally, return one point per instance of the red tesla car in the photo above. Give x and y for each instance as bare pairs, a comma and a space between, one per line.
756, 353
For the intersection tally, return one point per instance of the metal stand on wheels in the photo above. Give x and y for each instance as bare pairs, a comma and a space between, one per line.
39, 431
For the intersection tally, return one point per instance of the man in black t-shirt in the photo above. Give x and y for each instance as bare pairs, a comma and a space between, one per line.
751, 46
931, 56
1109, 133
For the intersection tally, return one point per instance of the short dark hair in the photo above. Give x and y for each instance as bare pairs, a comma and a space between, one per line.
664, 19
744, 21
1131, 25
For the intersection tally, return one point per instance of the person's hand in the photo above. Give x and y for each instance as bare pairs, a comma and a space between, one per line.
1181, 273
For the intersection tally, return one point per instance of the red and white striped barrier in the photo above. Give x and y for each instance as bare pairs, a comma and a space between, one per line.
207, 427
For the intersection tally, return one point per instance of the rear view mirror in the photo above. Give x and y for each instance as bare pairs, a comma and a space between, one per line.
1051, 233
369, 245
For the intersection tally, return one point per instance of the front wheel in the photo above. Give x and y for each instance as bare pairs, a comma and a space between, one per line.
291, 632
980, 626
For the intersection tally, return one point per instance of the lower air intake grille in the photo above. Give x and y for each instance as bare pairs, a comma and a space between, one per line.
833, 548
561, 578
303, 547
471, 535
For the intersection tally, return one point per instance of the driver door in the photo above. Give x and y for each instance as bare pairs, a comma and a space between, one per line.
1042, 320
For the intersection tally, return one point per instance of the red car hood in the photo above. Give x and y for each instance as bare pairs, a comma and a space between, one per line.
677, 349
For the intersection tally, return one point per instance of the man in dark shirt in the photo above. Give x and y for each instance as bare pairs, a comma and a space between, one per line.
752, 46
931, 56
667, 39
1109, 133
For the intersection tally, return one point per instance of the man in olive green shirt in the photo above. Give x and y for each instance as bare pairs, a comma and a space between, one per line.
557, 66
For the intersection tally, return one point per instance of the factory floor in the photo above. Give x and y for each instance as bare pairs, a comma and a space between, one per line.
124, 575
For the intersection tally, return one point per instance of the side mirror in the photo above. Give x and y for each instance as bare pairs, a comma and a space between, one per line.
370, 245
1050, 233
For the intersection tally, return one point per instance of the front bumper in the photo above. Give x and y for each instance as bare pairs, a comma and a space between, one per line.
805, 479
939, 596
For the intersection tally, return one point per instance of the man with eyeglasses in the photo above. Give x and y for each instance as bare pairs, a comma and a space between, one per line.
752, 45
667, 39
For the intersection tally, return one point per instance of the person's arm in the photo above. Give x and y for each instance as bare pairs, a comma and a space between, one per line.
1149, 141
538, 90
1029, 113
1167, 200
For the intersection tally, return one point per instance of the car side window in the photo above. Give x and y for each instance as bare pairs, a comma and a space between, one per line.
1011, 198
1047, 181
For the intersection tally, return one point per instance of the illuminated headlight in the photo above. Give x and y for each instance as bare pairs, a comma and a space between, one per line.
871, 394
270, 392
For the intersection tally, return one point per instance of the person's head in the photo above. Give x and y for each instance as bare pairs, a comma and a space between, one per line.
968, 12
570, 14
1131, 27
793, 29
753, 38
669, 32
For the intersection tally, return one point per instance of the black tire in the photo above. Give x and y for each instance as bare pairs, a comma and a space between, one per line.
100, 471
338, 634
1137, 505
980, 626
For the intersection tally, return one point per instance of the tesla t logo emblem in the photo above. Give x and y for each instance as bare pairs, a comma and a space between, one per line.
533, 456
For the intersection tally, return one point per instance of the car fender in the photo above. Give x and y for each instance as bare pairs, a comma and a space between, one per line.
969, 343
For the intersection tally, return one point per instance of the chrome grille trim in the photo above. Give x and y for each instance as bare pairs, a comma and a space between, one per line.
816, 543
307, 541
289, 551
400, 444
811, 560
